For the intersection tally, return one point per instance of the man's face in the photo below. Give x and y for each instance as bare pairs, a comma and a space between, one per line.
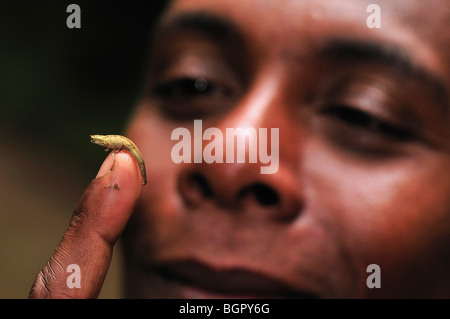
363, 173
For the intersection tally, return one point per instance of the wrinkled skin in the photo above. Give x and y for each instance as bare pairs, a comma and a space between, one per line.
364, 158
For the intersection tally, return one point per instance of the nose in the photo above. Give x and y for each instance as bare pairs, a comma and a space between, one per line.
241, 190
241, 187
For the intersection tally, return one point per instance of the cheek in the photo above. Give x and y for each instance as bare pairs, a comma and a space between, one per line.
395, 214
159, 203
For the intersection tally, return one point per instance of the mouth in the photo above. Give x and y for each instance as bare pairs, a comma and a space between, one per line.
196, 280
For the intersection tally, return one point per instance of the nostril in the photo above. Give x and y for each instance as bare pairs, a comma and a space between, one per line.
194, 188
265, 195
200, 183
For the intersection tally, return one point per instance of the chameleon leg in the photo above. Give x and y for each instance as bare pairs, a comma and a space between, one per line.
114, 161
113, 157
110, 170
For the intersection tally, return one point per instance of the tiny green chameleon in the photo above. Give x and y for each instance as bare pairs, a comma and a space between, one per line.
119, 142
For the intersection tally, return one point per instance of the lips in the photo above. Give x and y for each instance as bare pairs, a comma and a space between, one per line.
197, 279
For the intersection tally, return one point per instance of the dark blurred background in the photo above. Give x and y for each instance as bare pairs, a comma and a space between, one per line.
58, 86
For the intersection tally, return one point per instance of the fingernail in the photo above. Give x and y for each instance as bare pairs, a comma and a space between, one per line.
106, 167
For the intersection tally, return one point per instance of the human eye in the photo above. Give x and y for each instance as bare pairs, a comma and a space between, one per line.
367, 123
191, 87
188, 97
364, 118
194, 80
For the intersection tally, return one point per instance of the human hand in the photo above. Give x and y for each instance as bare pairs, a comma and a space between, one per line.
97, 222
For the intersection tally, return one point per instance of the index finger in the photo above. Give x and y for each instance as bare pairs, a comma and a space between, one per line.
98, 220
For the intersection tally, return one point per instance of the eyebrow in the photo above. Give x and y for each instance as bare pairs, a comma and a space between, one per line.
211, 26
220, 29
366, 51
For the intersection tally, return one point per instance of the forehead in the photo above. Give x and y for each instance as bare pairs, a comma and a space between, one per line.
290, 25
328, 9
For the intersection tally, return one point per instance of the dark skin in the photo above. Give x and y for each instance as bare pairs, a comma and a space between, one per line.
364, 155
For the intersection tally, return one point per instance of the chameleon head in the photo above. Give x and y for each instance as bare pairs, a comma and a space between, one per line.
98, 139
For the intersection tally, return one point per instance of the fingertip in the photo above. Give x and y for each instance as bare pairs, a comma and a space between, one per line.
119, 169
115, 193
106, 166
125, 169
